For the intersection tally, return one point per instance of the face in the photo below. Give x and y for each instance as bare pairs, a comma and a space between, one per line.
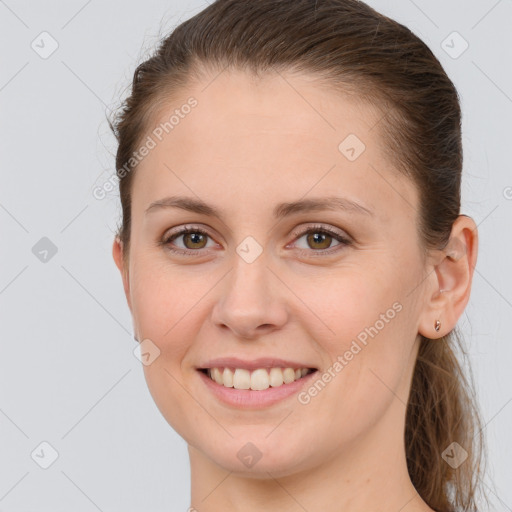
257, 282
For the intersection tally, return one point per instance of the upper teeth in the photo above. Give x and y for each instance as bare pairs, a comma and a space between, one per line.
259, 379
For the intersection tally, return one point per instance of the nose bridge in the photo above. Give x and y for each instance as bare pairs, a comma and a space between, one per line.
249, 302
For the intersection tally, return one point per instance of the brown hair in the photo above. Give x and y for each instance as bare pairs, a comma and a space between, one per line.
352, 47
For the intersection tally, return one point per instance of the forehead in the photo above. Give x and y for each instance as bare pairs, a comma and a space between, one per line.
267, 139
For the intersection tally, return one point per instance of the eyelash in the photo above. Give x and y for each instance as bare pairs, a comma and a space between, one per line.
344, 241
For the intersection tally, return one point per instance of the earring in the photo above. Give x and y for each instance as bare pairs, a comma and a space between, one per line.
437, 326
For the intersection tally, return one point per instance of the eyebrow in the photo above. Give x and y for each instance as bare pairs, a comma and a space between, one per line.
280, 211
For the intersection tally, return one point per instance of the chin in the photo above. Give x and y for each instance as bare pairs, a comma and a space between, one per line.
258, 458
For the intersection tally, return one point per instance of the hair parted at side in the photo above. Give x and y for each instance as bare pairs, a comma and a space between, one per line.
359, 51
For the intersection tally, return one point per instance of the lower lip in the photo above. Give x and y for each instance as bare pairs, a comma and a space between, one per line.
252, 399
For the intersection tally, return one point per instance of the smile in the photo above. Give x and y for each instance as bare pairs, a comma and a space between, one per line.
258, 379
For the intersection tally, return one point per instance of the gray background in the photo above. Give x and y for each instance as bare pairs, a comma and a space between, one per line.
68, 375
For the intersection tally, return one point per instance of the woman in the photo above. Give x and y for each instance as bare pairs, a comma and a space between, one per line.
295, 261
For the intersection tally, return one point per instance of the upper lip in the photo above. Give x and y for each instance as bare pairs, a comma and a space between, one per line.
253, 364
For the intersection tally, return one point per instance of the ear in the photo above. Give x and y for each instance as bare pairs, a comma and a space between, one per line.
449, 282
117, 253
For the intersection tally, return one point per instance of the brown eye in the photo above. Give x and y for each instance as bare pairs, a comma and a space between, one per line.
197, 240
193, 240
319, 240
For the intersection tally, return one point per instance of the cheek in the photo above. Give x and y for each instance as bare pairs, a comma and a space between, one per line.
364, 322
164, 301
346, 302
165, 309
171, 398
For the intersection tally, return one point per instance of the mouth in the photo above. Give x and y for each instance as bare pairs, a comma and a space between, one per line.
257, 379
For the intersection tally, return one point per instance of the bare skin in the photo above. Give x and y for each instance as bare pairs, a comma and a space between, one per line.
247, 146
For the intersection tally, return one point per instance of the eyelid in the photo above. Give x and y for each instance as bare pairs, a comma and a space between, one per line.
182, 230
344, 240
298, 232
342, 237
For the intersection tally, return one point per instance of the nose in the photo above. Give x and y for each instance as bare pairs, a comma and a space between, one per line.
251, 300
